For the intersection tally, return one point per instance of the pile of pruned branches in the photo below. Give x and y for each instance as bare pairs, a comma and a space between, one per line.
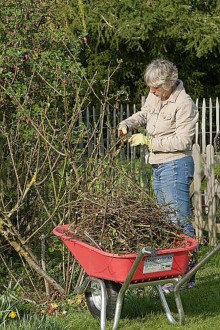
123, 222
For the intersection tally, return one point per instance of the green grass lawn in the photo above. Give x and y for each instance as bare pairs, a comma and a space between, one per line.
144, 311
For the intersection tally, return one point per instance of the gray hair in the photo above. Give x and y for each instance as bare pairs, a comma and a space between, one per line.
161, 72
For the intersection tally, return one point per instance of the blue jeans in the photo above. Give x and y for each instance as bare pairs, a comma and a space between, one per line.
172, 186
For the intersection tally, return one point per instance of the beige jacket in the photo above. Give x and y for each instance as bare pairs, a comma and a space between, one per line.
170, 124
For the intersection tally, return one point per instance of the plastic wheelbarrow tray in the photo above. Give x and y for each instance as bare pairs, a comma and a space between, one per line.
110, 275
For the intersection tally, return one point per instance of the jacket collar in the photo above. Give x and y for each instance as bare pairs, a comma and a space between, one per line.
176, 91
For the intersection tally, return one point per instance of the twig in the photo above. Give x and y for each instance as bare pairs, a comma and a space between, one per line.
43, 263
91, 240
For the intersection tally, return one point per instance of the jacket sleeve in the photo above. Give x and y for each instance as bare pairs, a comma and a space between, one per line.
181, 139
137, 119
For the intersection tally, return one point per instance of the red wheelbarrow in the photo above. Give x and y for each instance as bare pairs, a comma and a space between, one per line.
110, 275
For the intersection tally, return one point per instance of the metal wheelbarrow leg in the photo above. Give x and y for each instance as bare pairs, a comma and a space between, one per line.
187, 277
103, 304
177, 289
119, 303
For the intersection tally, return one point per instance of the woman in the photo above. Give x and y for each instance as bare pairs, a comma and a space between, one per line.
170, 116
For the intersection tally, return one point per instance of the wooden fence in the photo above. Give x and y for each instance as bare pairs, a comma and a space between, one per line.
208, 125
206, 193
105, 120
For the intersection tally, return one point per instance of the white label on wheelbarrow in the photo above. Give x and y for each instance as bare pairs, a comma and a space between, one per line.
158, 263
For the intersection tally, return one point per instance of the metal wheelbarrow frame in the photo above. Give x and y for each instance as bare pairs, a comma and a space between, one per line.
156, 273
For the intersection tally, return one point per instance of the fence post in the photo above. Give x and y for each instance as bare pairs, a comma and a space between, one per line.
197, 197
101, 131
210, 121
197, 125
128, 147
88, 125
143, 150
211, 195
203, 126
217, 115
133, 153
121, 117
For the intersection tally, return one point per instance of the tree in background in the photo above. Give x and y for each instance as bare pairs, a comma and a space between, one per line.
135, 32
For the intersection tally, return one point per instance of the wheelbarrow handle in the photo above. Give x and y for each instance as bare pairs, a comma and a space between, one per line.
192, 271
149, 251
141, 254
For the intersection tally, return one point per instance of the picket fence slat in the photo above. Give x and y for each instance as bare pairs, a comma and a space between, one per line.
210, 121
197, 202
197, 126
211, 195
203, 125
217, 116
217, 188
128, 115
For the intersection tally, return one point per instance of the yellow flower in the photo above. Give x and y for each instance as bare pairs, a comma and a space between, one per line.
70, 301
79, 299
12, 314
54, 305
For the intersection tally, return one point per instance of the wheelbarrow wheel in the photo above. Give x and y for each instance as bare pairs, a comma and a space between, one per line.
93, 298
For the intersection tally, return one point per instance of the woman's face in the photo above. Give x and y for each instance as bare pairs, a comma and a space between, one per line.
160, 92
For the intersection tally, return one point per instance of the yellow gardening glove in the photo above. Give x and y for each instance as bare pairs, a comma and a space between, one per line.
139, 138
122, 130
